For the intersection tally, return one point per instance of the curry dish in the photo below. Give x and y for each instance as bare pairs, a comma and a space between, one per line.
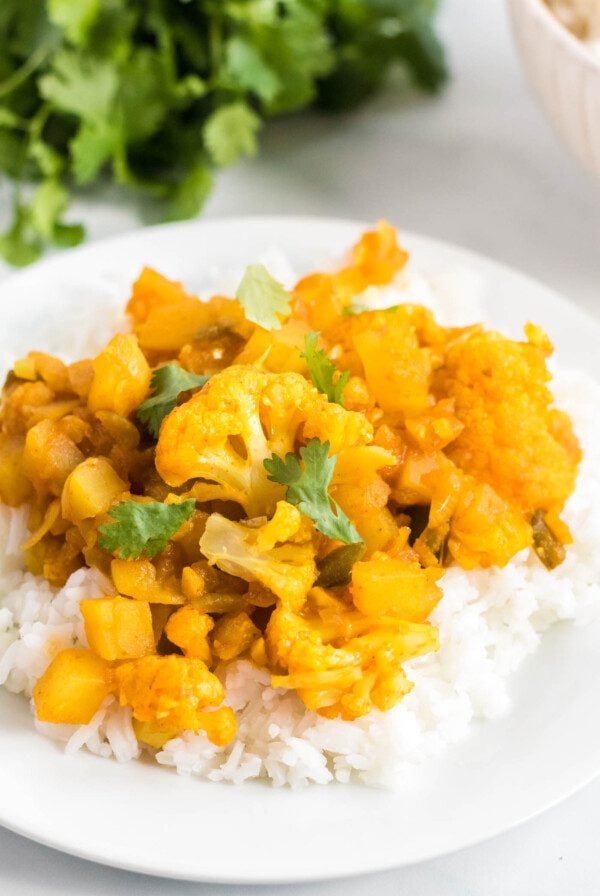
281, 477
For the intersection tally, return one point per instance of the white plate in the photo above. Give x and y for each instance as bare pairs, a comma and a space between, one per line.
144, 818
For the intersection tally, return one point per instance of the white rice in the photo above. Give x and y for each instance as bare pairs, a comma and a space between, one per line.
489, 621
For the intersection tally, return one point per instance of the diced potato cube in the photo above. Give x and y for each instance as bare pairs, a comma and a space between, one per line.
72, 688
386, 586
193, 584
90, 489
258, 653
121, 377
49, 456
188, 628
25, 369
233, 635
152, 290
15, 487
138, 578
118, 628
51, 370
81, 375
392, 355
166, 318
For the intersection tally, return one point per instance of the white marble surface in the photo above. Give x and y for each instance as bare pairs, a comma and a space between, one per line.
477, 167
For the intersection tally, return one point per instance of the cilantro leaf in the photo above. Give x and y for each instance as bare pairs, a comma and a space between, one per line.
262, 297
142, 529
48, 203
37, 222
322, 371
91, 147
167, 383
75, 19
81, 85
245, 66
16, 246
230, 132
307, 489
189, 196
48, 160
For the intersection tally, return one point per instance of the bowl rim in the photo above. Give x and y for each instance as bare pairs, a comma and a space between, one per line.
570, 41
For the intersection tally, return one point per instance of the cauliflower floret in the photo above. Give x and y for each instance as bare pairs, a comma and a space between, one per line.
512, 438
341, 661
254, 552
223, 434
170, 690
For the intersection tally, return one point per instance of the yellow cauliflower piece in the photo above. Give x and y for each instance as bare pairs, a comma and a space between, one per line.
172, 690
512, 438
189, 628
284, 525
223, 434
250, 551
341, 662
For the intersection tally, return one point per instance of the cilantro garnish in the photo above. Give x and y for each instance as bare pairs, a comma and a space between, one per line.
142, 528
167, 383
262, 297
323, 372
307, 488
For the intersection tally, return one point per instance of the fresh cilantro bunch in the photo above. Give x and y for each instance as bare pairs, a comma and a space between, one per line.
157, 94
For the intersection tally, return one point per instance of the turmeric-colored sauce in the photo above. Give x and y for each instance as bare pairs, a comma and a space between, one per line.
437, 446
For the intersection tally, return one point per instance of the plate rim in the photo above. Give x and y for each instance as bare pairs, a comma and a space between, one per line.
471, 258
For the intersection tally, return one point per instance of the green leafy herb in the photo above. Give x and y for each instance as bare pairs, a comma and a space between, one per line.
157, 95
167, 383
230, 132
142, 528
323, 372
263, 298
336, 567
307, 488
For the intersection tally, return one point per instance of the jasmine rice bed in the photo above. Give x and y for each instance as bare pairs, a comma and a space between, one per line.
488, 620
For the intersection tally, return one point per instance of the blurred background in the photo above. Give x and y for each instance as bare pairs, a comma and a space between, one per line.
476, 164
